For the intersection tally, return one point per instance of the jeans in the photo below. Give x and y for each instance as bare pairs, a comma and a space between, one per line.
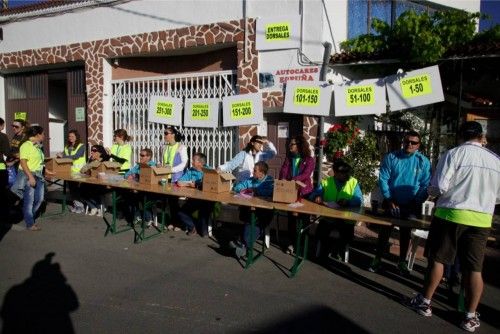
264, 218
33, 198
204, 210
19, 184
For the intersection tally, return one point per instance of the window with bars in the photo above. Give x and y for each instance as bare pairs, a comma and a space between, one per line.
130, 108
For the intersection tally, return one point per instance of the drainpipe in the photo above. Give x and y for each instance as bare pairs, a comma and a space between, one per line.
321, 121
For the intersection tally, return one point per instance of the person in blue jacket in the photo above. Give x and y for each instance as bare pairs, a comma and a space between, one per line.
193, 178
260, 184
403, 180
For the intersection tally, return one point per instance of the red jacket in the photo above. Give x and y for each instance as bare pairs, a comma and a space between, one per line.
306, 168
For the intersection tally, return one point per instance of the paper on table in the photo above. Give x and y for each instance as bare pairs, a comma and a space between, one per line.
243, 195
332, 205
296, 205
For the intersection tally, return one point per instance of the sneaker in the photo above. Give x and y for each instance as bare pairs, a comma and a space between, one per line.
470, 324
149, 223
235, 244
137, 221
403, 268
192, 232
240, 251
375, 265
93, 212
290, 250
418, 305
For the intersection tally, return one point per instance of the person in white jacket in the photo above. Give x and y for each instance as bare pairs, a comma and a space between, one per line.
467, 184
258, 149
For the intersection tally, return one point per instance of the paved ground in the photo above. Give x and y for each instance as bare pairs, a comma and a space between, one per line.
181, 284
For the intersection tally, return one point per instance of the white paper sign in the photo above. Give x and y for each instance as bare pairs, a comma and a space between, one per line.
201, 113
414, 88
278, 33
308, 98
362, 97
165, 110
243, 109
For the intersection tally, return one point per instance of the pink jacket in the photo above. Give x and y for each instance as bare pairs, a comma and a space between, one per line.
306, 169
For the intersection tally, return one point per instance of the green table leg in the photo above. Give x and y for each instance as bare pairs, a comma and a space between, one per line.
301, 252
141, 235
111, 228
250, 251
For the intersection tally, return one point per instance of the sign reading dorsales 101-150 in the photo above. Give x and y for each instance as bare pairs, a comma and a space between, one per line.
307, 98
201, 113
243, 109
362, 97
165, 110
414, 88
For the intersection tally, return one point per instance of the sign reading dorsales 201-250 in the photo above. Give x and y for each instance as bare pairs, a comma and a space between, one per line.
201, 113
165, 110
308, 98
362, 97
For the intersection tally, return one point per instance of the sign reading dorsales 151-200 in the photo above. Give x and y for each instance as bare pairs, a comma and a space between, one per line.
360, 95
416, 86
241, 109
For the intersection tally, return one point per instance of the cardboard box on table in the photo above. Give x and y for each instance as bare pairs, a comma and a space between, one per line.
216, 182
153, 174
59, 165
286, 191
107, 167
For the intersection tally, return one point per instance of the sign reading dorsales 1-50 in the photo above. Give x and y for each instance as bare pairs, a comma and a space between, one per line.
362, 97
165, 109
307, 98
414, 88
243, 109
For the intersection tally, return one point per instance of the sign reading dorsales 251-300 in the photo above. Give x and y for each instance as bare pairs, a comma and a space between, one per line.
281, 32
362, 97
307, 98
414, 88
165, 110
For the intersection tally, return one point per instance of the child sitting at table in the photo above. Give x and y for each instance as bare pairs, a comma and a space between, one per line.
260, 184
193, 178
134, 200
338, 191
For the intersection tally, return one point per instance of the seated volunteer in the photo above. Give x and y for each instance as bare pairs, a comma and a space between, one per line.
298, 166
30, 176
258, 149
338, 191
90, 195
175, 155
260, 184
75, 151
193, 177
135, 200
121, 151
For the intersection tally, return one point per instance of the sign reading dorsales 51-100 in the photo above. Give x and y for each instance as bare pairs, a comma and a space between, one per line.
362, 97
414, 88
165, 110
308, 98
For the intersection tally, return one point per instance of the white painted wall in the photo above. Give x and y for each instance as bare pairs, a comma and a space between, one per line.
471, 6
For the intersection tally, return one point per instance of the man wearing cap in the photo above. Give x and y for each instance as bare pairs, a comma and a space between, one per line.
467, 184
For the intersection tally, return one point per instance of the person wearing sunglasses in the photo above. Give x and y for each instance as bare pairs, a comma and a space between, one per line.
175, 154
258, 149
298, 166
403, 180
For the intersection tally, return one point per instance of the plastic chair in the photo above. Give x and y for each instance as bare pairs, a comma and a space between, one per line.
416, 236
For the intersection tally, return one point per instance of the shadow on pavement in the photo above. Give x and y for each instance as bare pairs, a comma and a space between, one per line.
317, 319
40, 304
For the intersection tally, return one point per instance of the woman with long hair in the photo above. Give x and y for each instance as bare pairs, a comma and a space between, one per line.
121, 151
257, 149
74, 150
175, 154
298, 166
